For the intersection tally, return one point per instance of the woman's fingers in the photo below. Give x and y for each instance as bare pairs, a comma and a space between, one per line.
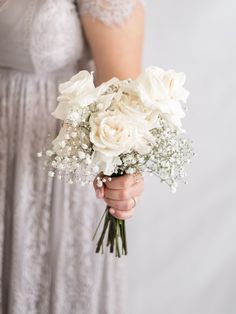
124, 194
123, 183
121, 205
120, 193
121, 214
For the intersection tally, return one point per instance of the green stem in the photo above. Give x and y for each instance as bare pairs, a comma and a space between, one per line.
112, 234
99, 223
117, 238
100, 241
124, 238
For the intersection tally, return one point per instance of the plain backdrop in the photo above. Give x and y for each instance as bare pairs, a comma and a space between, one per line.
182, 247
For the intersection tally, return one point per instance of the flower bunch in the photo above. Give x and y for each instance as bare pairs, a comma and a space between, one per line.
128, 126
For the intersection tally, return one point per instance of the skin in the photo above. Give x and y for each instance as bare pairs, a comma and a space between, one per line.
117, 51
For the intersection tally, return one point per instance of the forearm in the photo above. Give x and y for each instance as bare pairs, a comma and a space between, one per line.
117, 50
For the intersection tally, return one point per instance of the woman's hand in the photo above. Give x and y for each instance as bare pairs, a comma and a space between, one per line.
121, 194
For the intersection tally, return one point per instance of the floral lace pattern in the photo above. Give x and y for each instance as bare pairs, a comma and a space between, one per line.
55, 22
47, 254
108, 11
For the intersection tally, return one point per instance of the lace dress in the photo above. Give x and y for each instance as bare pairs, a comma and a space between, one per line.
48, 264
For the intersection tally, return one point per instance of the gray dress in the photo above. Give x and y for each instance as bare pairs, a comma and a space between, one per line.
48, 264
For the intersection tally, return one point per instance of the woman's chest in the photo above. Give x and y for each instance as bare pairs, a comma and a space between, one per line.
39, 35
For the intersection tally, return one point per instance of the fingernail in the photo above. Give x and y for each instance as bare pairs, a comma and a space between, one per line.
112, 211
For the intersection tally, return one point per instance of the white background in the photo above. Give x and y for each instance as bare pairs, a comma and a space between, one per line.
182, 247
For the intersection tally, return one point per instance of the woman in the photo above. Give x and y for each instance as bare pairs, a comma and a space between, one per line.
48, 264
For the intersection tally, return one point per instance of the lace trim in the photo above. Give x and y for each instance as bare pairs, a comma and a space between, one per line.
108, 11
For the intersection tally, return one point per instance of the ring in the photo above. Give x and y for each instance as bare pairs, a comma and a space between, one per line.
133, 198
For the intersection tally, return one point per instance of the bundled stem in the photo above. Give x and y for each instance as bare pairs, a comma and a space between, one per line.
116, 235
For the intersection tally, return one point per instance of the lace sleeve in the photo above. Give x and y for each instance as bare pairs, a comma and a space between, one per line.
108, 11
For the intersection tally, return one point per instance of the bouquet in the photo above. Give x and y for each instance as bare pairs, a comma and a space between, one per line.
121, 126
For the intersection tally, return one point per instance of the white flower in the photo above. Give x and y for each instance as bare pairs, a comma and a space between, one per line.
153, 119
107, 93
59, 141
103, 163
81, 154
106, 85
132, 107
111, 133
142, 141
77, 93
74, 116
131, 104
163, 90
130, 170
172, 111
114, 133
163, 85
49, 152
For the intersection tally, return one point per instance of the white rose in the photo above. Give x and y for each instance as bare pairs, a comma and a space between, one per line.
103, 88
160, 85
143, 142
129, 104
174, 82
107, 94
163, 90
111, 133
172, 112
132, 107
103, 163
77, 93
111, 136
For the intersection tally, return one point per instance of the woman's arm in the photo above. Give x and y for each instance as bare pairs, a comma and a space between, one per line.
117, 51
